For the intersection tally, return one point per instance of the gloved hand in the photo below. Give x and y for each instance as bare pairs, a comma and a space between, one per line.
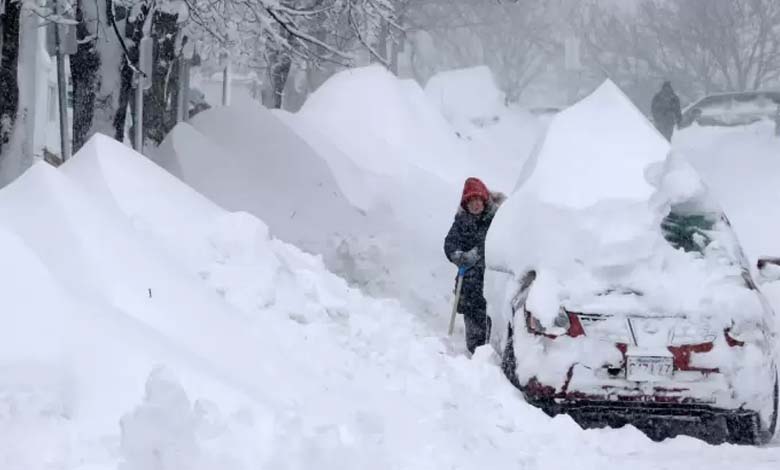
498, 198
468, 259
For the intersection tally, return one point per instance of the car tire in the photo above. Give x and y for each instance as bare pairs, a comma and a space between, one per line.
508, 360
768, 433
751, 429
744, 429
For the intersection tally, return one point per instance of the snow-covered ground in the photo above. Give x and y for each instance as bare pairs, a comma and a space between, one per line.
741, 165
147, 327
388, 167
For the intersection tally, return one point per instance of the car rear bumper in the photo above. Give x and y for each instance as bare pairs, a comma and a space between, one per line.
660, 420
696, 405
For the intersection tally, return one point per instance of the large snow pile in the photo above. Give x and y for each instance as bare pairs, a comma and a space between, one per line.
741, 166
466, 96
145, 327
386, 124
413, 164
497, 138
614, 225
588, 218
588, 145
113, 268
245, 158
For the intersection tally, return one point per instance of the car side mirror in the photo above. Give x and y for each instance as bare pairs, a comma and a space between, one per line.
768, 269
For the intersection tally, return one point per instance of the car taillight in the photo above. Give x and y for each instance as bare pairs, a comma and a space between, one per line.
731, 340
682, 356
565, 324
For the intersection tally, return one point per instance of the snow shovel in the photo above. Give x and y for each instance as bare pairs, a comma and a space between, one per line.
458, 287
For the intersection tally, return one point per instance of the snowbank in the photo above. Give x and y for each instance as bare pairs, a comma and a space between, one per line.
741, 166
145, 271
596, 150
410, 165
113, 269
245, 159
365, 234
386, 125
361, 186
590, 215
466, 97
144, 326
614, 225
497, 138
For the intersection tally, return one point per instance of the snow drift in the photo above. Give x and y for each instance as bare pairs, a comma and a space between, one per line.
614, 225
244, 158
498, 139
741, 166
466, 97
118, 268
592, 206
415, 163
597, 150
386, 125
247, 159
145, 326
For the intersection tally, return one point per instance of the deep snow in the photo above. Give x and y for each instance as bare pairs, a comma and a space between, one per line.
395, 183
270, 361
588, 215
592, 220
741, 167
147, 327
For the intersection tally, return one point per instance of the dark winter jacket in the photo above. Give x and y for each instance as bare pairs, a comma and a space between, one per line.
469, 231
666, 107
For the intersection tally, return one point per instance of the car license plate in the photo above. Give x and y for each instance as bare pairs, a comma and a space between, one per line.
649, 368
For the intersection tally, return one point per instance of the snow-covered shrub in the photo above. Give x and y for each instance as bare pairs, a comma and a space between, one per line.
160, 432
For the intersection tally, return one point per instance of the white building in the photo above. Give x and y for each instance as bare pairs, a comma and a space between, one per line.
38, 89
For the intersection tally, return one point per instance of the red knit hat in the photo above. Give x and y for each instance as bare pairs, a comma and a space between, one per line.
474, 188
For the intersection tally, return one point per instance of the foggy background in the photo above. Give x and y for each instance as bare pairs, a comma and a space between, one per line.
549, 53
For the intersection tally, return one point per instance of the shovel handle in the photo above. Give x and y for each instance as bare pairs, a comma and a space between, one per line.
458, 287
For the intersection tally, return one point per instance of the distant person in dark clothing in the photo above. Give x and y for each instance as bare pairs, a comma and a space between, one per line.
465, 247
666, 110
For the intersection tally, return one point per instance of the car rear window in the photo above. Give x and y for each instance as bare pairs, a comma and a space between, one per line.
689, 232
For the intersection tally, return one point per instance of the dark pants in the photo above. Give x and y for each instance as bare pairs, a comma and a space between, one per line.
666, 128
474, 309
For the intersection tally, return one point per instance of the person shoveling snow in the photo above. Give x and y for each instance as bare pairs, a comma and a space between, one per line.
465, 247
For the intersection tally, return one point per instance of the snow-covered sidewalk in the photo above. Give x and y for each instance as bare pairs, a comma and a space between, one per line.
113, 268
146, 327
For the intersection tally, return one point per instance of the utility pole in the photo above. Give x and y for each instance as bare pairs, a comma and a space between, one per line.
224, 59
182, 98
143, 81
185, 62
62, 84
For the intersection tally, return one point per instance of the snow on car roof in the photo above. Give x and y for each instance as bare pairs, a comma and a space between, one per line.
606, 209
717, 98
591, 152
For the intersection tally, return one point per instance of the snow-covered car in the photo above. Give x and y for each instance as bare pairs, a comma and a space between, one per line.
631, 300
732, 109
669, 373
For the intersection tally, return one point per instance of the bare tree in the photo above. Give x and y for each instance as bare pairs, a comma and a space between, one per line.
516, 39
702, 45
10, 12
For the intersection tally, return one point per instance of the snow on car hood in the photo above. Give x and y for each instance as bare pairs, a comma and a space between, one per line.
613, 223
